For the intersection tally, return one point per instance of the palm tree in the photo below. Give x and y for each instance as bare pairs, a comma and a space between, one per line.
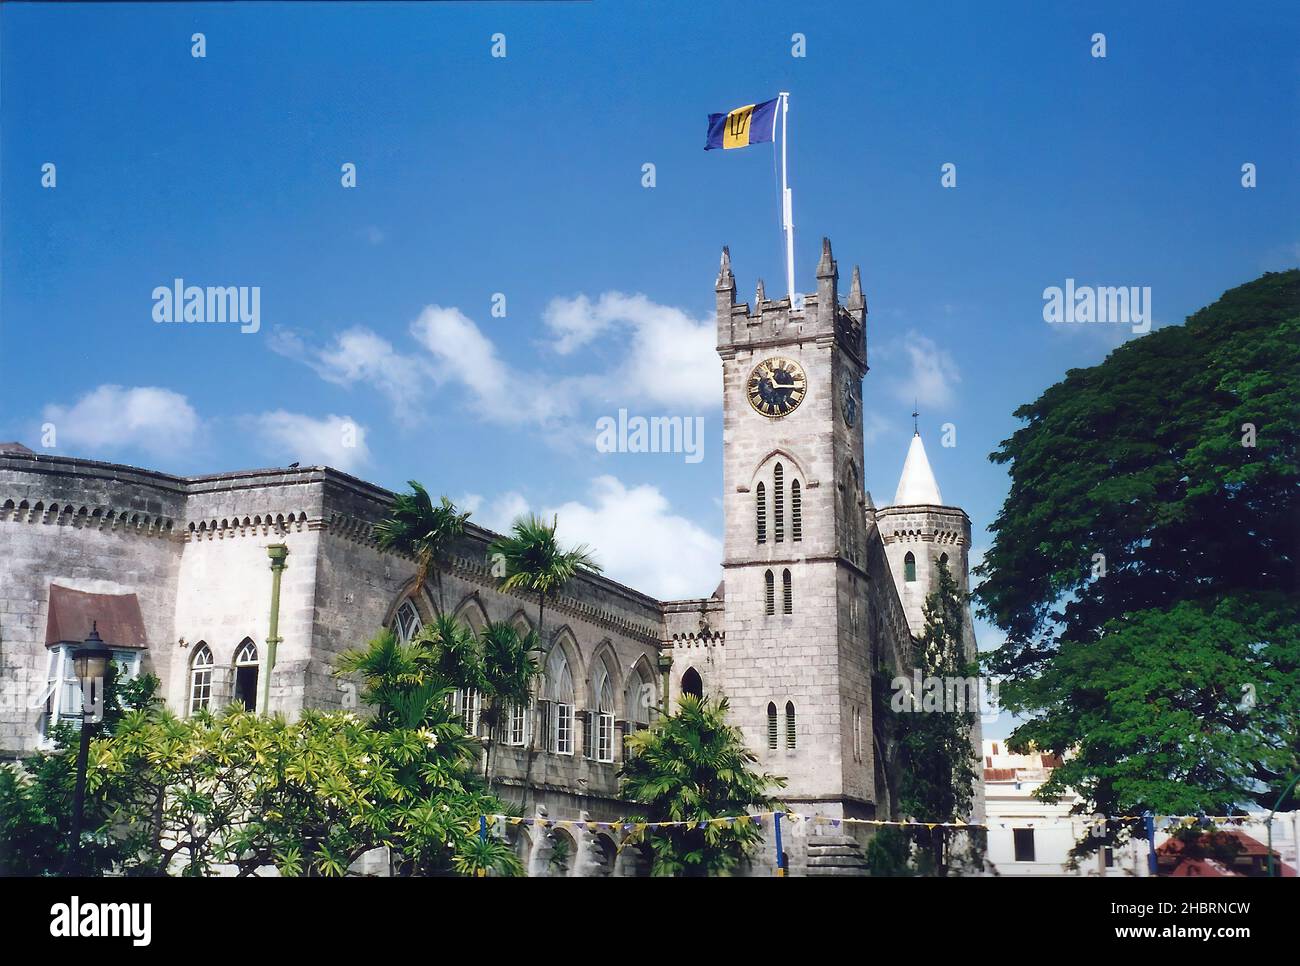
534, 563
508, 670
692, 767
415, 526
452, 651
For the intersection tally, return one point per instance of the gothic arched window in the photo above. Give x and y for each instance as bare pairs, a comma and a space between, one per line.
787, 593
692, 683
558, 706
796, 511
600, 731
407, 623
200, 678
909, 567
769, 593
772, 732
790, 729
246, 668
760, 509
778, 503
639, 696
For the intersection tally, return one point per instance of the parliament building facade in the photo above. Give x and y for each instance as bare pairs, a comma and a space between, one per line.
821, 590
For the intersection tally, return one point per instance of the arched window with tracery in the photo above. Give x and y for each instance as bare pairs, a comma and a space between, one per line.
246, 671
600, 729
557, 704
201, 678
639, 697
407, 623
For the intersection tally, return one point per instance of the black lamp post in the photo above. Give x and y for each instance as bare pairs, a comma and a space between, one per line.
90, 662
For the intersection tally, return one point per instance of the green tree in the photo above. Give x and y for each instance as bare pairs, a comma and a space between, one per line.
533, 562
309, 797
415, 526
36, 796
506, 681
238, 790
1144, 564
937, 758
693, 767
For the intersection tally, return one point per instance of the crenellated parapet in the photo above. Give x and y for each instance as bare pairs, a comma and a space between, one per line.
102, 518
821, 318
924, 524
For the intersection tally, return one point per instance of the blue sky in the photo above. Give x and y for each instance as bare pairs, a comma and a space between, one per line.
522, 175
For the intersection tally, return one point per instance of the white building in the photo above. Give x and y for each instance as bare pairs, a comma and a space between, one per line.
1030, 837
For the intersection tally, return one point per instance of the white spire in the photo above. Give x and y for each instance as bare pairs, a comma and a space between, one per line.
917, 484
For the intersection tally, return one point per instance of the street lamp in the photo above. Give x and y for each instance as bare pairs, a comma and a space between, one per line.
90, 664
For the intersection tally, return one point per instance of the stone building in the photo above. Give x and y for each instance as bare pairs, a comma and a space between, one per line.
821, 591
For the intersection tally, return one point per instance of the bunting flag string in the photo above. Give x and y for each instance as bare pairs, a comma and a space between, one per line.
759, 818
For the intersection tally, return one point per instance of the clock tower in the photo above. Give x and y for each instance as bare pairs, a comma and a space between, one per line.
798, 660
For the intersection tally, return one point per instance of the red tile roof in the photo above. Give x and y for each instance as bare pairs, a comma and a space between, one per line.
117, 616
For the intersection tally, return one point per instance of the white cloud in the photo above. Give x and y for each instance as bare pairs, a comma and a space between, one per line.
671, 359
575, 321
666, 359
359, 355
467, 357
498, 514
149, 418
630, 531
636, 538
336, 441
931, 374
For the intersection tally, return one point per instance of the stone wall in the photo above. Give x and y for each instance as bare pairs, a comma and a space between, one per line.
95, 527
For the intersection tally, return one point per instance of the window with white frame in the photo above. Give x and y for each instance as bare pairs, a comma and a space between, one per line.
559, 692
516, 726
604, 737
601, 722
200, 678
465, 706
562, 743
63, 698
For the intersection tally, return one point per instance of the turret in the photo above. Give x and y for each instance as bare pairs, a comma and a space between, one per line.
919, 530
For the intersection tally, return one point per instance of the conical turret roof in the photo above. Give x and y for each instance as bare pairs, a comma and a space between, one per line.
917, 484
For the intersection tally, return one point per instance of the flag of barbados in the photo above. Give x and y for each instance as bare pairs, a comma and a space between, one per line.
751, 124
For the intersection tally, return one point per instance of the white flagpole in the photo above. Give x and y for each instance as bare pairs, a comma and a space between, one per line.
787, 199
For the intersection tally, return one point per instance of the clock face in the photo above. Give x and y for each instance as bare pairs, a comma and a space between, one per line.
776, 387
848, 401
